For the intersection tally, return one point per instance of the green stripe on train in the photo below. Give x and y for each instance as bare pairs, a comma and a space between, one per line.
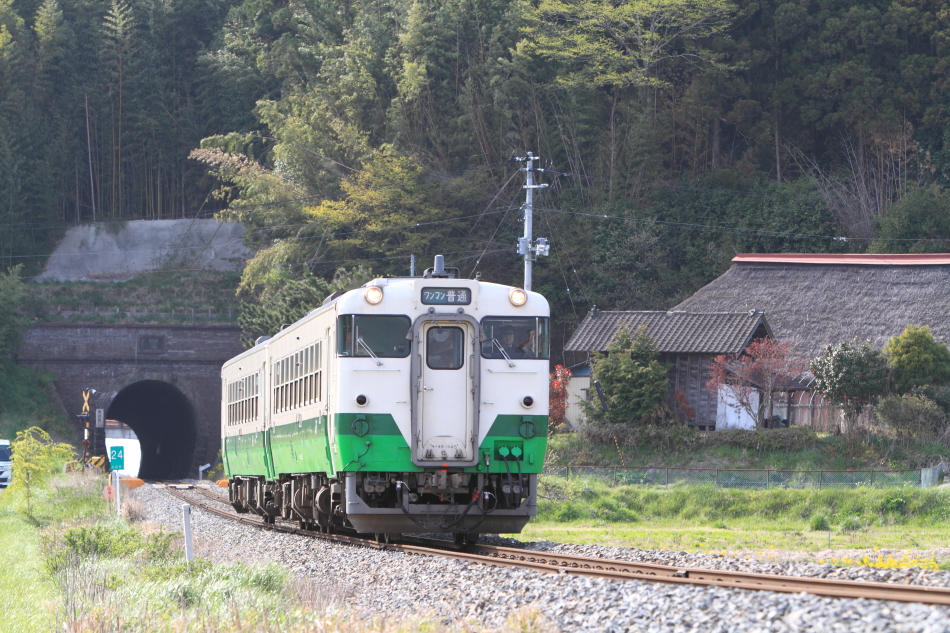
529, 433
371, 442
301, 447
246, 455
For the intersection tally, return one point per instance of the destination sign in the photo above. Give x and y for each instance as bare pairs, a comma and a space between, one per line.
446, 296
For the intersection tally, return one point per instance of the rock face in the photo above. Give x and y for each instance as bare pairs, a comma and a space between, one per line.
121, 250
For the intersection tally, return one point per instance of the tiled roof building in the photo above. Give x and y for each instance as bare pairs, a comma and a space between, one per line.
687, 342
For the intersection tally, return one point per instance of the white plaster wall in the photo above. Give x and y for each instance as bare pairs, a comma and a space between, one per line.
732, 415
119, 251
576, 391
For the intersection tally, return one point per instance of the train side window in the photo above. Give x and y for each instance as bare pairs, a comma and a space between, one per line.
385, 335
519, 337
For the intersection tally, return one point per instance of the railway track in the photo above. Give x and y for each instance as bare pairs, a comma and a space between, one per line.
599, 567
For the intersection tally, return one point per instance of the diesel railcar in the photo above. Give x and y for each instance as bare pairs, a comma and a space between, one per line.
410, 405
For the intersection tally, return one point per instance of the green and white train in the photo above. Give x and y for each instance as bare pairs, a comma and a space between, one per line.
410, 405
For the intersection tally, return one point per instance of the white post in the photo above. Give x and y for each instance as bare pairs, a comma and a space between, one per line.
118, 492
186, 518
529, 221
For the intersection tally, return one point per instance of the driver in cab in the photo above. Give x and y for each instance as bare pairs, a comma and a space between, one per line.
513, 349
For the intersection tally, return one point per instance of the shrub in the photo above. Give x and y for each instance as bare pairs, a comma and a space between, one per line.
851, 523
894, 502
819, 523
795, 438
114, 540
557, 409
916, 359
633, 380
851, 375
912, 416
676, 438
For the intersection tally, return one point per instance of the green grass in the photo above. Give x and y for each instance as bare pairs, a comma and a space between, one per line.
27, 586
78, 567
31, 595
710, 518
819, 452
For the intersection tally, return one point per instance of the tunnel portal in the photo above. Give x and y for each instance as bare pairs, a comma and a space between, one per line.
166, 424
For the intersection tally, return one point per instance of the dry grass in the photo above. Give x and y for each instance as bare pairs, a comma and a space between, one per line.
109, 620
113, 574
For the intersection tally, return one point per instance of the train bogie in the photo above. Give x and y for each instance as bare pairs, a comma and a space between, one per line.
409, 405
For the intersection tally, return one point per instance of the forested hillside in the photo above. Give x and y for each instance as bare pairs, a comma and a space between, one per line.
352, 133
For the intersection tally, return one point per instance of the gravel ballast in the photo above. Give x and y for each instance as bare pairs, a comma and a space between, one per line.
390, 583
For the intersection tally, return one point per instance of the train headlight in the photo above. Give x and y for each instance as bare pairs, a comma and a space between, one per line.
517, 296
527, 402
374, 295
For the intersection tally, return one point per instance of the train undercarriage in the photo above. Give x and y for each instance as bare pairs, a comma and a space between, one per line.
381, 503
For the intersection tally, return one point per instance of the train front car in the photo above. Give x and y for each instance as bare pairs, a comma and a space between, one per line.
434, 416
443, 399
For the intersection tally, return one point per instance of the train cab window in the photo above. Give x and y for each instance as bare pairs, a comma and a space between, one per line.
384, 336
516, 337
445, 348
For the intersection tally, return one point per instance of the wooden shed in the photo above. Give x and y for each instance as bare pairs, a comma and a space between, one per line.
688, 341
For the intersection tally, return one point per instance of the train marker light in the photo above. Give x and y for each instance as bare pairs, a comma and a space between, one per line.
374, 295
517, 296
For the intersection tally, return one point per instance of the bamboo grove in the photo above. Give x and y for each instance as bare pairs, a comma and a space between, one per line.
357, 132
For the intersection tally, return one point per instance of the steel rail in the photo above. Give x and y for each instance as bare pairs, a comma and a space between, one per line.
614, 569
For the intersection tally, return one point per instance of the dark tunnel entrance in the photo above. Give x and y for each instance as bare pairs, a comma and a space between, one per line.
165, 423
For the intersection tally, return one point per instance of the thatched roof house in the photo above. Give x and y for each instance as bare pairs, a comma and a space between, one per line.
814, 300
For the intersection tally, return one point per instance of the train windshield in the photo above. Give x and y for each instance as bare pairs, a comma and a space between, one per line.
4, 453
384, 336
519, 337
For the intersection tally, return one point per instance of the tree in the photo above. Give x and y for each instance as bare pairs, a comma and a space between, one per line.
290, 300
558, 404
35, 458
620, 44
917, 223
916, 359
850, 375
633, 380
12, 293
766, 367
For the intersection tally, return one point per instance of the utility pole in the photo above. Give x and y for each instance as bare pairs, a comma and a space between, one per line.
526, 246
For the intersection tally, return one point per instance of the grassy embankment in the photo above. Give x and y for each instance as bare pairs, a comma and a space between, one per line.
837, 525
77, 567
180, 295
28, 401
796, 448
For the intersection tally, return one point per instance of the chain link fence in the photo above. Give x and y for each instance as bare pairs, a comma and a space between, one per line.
750, 479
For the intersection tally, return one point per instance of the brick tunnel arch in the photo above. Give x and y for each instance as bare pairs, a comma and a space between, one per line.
165, 422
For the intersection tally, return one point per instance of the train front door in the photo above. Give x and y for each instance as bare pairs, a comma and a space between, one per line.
445, 396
